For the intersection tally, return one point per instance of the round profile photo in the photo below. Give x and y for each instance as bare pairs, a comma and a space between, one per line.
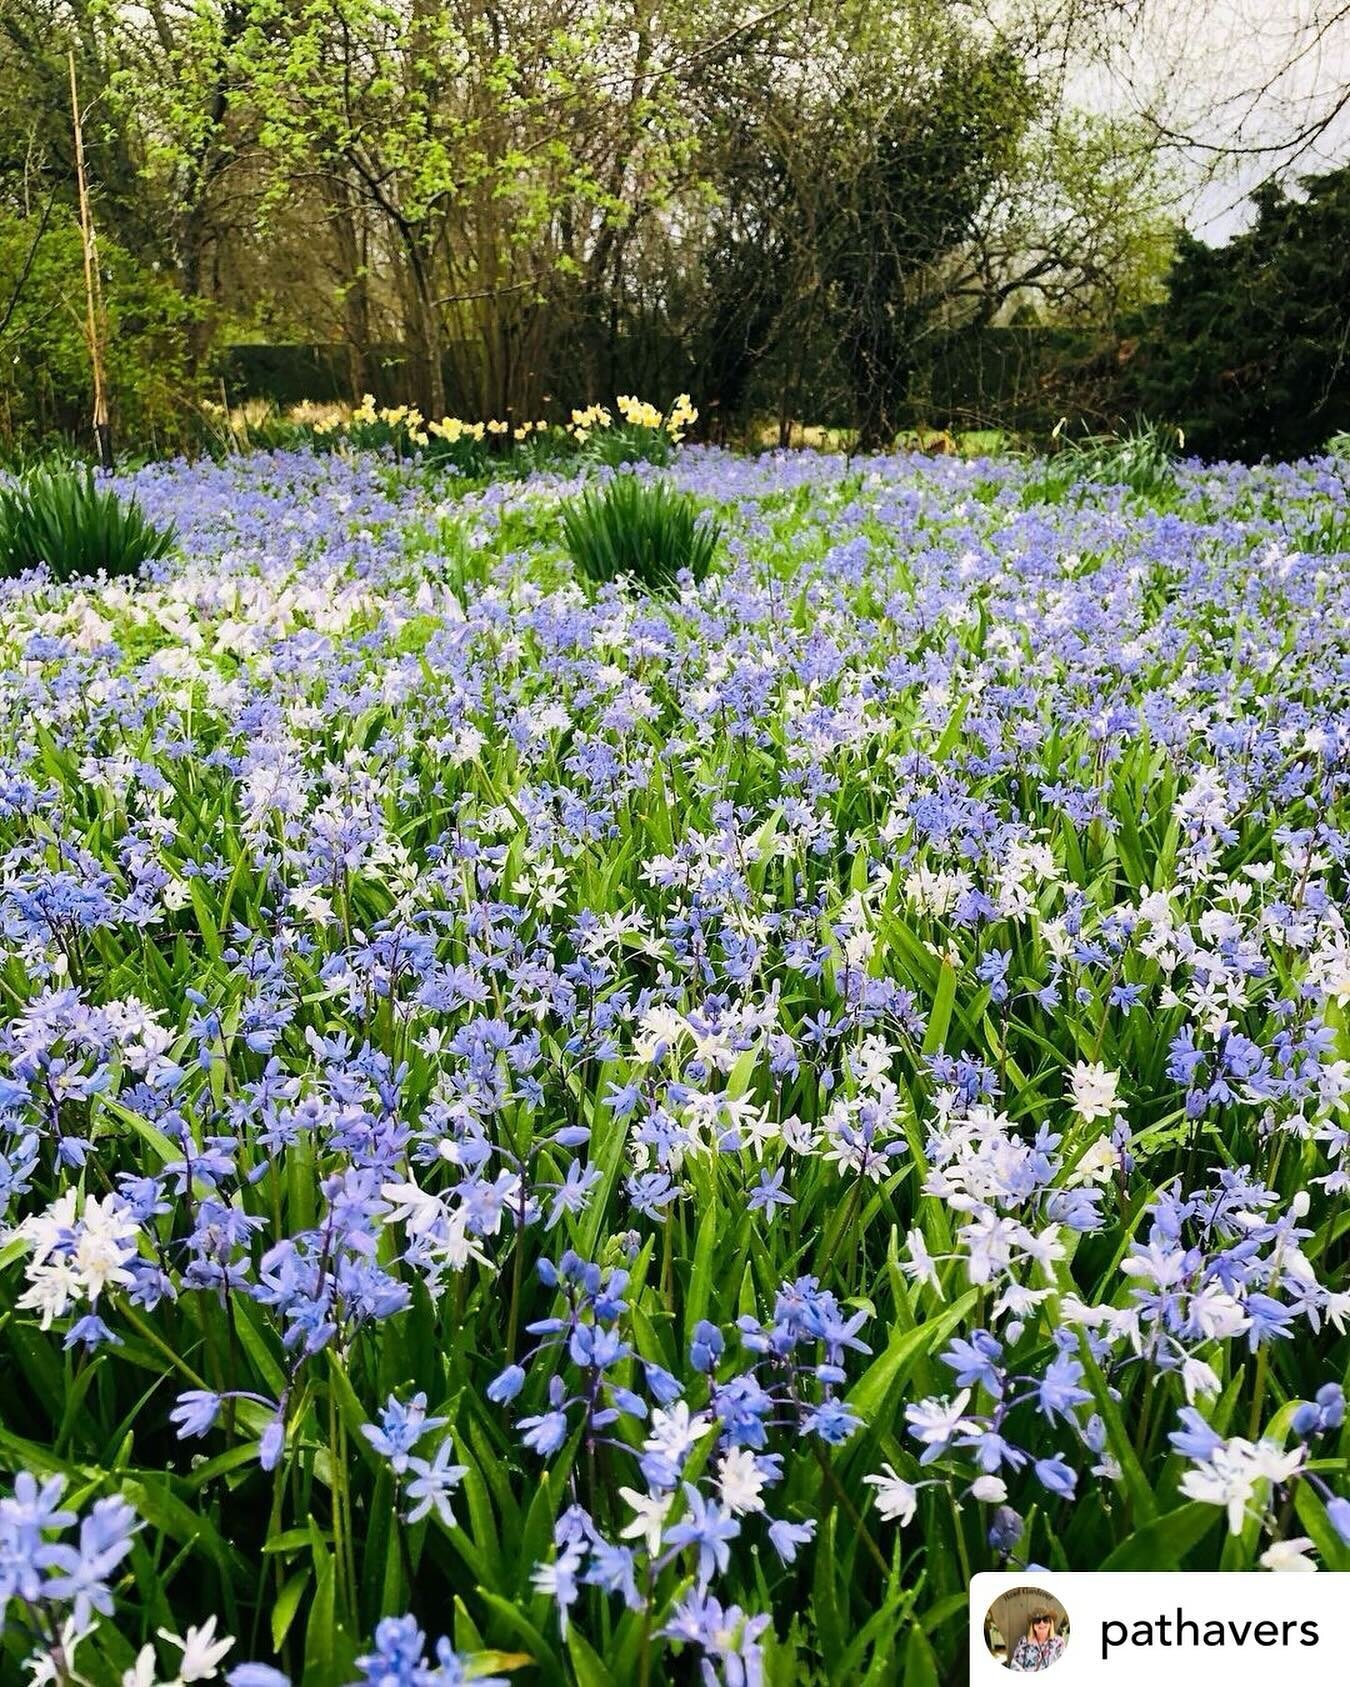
1026, 1629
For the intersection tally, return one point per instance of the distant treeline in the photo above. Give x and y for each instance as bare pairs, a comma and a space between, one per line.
868, 214
1014, 378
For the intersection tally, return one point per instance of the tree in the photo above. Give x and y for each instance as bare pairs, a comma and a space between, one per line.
567, 196
904, 173
1250, 353
45, 380
904, 193
504, 154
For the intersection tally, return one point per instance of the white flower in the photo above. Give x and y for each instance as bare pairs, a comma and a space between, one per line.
201, 1651
142, 1672
421, 1211
897, 1500
1228, 1477
101, 1252
1288, 1555
51, 1290
1197, 1377
45, 1231
992, 1489
1094, 1090
1098, 1164
676, 1431
1217, 1315
41, 1665
650, 1513
920, 1267
741, 1481
935, 1421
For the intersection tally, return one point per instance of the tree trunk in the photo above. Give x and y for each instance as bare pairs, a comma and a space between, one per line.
355, 288
425, 326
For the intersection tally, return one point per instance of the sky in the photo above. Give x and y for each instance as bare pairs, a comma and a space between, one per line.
1240, 80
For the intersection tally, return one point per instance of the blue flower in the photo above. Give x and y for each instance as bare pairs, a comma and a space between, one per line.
1195, 1440
544, 1433
786, 1538
400, 1429
195, 1413
505, 1387
1056, 1476
709, 1528
1058, 1391
1005, 1530
706, 1347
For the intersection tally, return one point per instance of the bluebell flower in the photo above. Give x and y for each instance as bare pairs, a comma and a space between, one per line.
544, 1433
706, 1347
272, 1443
400, 1429
1058, 1391
709, 1528
1195, 1439
433, 1481
195, 1413
505, 1387
1326, 1412
558, 1581
788, 1538
976, 1360
1005, 1530
768, 1194
1056, 1476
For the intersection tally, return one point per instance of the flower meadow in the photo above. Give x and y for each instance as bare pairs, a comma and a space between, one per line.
557, 1134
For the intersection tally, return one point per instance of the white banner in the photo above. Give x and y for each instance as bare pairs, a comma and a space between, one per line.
1160, 1630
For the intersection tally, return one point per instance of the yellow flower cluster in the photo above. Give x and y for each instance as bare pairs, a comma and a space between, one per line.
634, 411
406, 416
451, 429
585, 421
639, 415
682, 415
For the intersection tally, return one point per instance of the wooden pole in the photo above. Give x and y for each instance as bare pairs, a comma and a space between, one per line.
93, 290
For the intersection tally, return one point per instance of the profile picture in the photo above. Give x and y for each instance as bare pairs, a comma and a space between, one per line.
1026, 1629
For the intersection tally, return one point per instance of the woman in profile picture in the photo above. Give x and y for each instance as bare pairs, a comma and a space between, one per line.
1040, 1646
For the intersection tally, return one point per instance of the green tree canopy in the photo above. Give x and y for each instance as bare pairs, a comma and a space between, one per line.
1250, 353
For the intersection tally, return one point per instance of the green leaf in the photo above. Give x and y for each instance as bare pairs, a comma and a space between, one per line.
154, 1500
921, 1666
825, 1612
1162, 1543
951, 733
287, 1604
700, 1280
320, 1630
905, 1348
940, 1017
1312, 1513
590, 1671
515, 1619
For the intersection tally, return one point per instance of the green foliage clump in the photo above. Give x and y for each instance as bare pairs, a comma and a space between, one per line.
616, 447
75, 526
1143, 460
642, 531
45, 379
